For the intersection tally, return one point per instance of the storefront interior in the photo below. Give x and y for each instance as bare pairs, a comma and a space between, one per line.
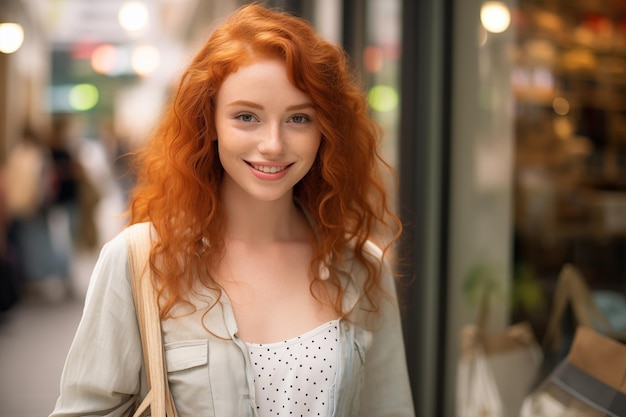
570, 145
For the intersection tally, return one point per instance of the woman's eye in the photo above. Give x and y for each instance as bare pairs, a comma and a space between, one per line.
300, 118
245, 117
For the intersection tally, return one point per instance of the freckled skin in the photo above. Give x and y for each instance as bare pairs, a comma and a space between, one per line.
267, 134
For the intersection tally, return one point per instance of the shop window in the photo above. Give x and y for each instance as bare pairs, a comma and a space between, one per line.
570, 128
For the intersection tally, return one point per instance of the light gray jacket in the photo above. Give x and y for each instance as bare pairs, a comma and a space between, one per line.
209, 372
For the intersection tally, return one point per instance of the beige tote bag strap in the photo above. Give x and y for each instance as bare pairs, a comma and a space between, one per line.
159, 398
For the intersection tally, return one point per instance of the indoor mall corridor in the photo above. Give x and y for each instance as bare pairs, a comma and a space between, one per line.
36, 334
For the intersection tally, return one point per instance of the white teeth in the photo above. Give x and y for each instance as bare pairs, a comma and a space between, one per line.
268, 170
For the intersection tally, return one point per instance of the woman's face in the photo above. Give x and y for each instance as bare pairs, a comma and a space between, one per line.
267, 133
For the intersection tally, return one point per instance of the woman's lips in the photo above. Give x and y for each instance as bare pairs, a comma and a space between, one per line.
269, 171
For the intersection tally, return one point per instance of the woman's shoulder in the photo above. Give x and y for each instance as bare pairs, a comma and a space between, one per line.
136, 228
370, 250
373, 250
138, 225
136, 232
359, 267
116, 246
111, 269
368, 274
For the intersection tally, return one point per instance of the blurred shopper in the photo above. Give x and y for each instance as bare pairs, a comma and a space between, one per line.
29, 195
263, 189
118, 151
66, 174
9, 275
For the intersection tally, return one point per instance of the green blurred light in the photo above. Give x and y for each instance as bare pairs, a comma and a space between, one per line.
83, 97
383, 98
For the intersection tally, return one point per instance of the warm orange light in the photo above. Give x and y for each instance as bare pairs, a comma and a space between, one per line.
104, 59
373, 58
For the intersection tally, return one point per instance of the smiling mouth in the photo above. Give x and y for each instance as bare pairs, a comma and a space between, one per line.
269, 169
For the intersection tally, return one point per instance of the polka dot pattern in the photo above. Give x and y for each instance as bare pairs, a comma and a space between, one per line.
295, 377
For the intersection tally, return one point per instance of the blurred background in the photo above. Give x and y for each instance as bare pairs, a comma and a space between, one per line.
506, 121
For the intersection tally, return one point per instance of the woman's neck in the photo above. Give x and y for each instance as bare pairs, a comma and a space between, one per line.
259, 221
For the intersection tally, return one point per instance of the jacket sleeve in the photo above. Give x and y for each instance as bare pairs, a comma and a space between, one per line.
102, 373
387, 390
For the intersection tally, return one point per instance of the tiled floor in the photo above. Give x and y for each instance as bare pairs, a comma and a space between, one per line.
34, 339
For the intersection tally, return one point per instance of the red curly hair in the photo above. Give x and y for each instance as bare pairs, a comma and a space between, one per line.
179, 172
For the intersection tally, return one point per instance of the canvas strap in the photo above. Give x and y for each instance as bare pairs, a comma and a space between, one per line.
159, 398
572, 289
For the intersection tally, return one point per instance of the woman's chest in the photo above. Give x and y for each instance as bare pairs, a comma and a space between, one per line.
271, 313
271, 295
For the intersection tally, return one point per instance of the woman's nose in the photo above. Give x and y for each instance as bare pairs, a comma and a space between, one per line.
272, 141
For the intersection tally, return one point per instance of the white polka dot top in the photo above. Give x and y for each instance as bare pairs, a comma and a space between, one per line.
294, 377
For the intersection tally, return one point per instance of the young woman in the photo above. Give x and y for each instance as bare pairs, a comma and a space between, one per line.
264, 190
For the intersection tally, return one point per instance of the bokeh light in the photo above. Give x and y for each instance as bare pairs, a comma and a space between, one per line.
11, 37
145, 59
383, 98
561, 106
104, 59
83, 97
495, 16
373, 58
133, 16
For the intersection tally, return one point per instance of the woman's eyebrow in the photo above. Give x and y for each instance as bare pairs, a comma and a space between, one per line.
260, 107
301, 106
246, 103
